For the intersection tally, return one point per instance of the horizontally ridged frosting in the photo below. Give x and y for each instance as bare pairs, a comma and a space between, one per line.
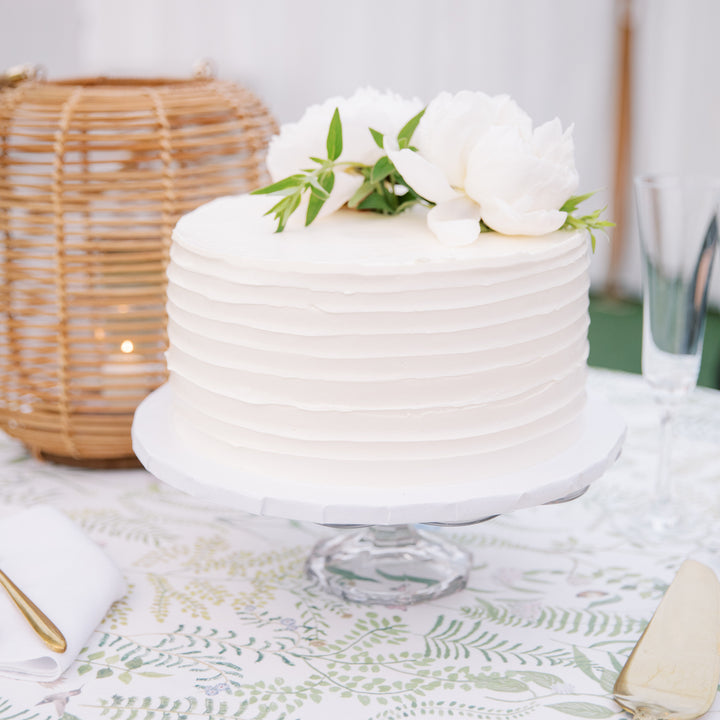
361, 350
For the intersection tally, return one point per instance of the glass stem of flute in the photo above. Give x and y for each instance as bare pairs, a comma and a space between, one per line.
665, 486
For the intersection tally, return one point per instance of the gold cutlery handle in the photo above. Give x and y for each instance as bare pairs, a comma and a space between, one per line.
39, 622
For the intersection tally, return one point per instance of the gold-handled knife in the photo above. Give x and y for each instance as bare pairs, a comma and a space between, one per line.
673, 671
39, 622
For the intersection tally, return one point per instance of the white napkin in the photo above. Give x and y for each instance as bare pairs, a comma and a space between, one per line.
66, 575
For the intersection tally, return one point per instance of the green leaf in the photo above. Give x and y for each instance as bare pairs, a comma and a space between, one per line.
104, 672
572, 203
360, 194
407, 200
315, 204
349, 574
83, 669
276, 209
500, 684
284, 209
325, 182
334, 137
134, 663
583, 663
605, 601
152, 674
378, 138
382, 168
391, 199
365, 171
542, 679
589, 222
406, 203
377, 203
607, 680
615, 663
407, 130
288, 210
288, 183
125, 677
407, 578
317, 189
583, 709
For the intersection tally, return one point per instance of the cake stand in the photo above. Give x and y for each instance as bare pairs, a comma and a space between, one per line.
380, 556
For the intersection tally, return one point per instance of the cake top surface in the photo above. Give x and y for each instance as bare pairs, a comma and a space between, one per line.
236, 230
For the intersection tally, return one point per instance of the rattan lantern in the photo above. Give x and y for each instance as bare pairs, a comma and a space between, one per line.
94, 173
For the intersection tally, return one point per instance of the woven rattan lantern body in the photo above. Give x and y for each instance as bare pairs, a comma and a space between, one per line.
93, 176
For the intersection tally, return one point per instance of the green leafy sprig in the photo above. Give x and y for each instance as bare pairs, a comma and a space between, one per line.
589, 222
383, 189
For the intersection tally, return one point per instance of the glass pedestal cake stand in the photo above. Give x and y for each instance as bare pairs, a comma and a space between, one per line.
380, 556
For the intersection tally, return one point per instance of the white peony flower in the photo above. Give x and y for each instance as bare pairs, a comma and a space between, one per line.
478, 157
519, 182
290, 150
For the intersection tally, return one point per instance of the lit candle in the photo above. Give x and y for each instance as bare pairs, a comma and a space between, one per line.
126, 372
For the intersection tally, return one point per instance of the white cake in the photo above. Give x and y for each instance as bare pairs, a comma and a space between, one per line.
360, 350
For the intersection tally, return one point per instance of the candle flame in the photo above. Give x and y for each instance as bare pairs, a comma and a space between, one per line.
127, 346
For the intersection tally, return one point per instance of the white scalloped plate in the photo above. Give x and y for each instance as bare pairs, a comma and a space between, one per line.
166, 456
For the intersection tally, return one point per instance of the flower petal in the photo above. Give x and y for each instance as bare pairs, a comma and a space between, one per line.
507, 219
290, 150
344, 188
452, 125
455, 222
426, 179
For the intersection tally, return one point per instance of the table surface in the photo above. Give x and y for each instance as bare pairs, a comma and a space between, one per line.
220, 621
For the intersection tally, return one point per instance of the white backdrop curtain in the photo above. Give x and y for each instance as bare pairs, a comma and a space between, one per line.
555, 57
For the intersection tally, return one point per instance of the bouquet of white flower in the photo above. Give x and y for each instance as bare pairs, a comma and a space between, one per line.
475, 160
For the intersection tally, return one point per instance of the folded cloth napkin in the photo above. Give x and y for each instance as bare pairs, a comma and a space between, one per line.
66, 575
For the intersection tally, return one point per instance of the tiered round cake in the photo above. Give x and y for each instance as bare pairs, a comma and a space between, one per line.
360, 350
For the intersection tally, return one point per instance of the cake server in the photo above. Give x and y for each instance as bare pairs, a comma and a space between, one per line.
673, 671
39, 622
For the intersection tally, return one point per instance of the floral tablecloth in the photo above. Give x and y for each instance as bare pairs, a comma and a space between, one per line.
220, 621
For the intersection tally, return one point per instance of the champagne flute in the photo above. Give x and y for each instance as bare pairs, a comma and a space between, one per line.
678, 223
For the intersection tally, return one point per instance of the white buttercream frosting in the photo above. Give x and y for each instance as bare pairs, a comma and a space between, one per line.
362, 350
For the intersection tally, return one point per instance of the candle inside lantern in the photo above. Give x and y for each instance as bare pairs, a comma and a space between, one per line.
127, 373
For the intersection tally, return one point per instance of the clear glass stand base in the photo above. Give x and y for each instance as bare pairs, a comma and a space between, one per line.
389, 565
680, 521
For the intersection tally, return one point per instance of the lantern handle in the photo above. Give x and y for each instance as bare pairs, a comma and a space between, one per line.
204, 69
20, 73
